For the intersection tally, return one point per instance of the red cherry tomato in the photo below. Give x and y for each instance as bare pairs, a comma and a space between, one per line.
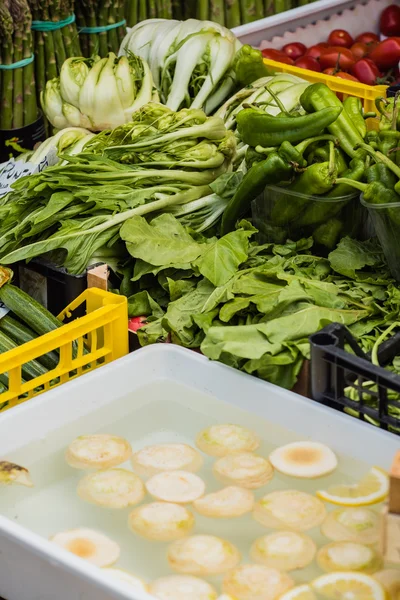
386, 54
338, 57
389, 23
308, 62
316, 50
359, 50
277, 55
340, 37
343, 75
331, 71
368, 37
294, 50
366, 71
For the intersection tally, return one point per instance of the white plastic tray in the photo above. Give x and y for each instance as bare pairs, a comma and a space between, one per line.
312, 23
31, 568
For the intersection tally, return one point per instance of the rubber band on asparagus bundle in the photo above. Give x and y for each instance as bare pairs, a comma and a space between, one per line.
19, 64
102, 28
52, 25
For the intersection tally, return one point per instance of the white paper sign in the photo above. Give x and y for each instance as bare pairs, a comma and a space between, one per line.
12, 170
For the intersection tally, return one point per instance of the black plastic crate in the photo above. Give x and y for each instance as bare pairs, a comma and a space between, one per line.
53, 286
350, 382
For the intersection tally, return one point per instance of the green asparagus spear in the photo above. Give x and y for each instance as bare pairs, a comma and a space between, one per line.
233, 17
6, 37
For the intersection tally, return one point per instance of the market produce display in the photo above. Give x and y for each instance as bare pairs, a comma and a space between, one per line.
18, 90
364, 58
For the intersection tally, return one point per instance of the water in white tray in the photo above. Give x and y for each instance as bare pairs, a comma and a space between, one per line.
156, 413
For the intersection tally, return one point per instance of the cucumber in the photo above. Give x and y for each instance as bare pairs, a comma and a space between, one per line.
28, 310
31, 369
21, 334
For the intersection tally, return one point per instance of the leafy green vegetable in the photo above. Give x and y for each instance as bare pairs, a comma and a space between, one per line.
254, 306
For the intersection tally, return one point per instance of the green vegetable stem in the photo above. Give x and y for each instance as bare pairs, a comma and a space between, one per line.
260, 129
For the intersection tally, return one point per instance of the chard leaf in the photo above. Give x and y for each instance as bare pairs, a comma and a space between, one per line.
163, 242
221, 260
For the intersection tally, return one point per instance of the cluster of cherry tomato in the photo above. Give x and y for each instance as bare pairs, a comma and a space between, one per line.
364, 59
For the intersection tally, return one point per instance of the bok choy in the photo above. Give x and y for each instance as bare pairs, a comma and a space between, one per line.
98, 93
161, 162
191, 61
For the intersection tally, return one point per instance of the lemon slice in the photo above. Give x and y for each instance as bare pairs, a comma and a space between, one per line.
345, 586
373, 488
300, 592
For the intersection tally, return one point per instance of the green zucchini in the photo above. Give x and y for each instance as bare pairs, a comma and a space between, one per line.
31, 369
28, 310
21, 334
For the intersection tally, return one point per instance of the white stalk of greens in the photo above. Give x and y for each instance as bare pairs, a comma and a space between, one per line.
191, 61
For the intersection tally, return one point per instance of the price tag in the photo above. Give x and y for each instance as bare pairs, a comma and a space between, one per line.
12, 170
3, 310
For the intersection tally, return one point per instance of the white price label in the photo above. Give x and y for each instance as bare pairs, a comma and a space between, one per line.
12, 170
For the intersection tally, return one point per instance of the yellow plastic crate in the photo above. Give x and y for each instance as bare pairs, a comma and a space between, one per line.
367, 93
84, 344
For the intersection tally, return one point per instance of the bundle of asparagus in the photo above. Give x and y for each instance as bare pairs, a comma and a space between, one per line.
55, 37
101, 25
230, 13
18, 95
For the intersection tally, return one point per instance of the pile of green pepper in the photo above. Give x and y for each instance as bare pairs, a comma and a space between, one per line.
304, 153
